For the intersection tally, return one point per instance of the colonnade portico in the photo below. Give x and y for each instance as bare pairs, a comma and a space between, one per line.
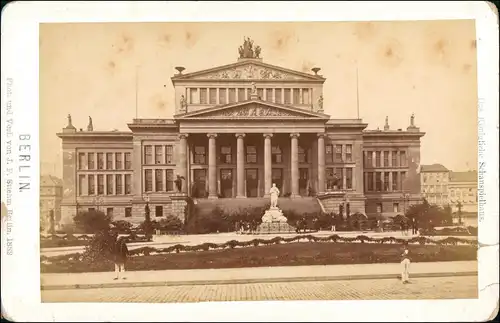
240, 138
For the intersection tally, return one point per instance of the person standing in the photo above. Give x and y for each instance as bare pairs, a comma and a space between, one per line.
405, 266
120, 253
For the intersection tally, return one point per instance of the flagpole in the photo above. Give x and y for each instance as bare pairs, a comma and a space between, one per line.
136, 95
357, 90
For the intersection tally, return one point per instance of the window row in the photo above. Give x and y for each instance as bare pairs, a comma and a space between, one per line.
233, 95
109, 184
228, 156
384, 181
387, 158
108, 161
437, 177
395, 208
338, 153
159, 154
159, 211
159, 180
435, 189
339, 178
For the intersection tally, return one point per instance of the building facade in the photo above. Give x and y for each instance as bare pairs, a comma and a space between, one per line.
463, 191
51, 194
435, 179
238, 129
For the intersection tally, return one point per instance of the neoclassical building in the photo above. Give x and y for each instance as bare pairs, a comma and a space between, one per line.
238, 129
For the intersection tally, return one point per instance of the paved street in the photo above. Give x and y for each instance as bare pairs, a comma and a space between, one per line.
419, 288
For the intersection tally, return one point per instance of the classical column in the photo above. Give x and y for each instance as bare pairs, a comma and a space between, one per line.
321, 162
294, 151
212, 167
390, 181
240, 165
183, 160
267, 163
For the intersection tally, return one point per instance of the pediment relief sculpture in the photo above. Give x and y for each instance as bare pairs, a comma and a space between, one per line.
252, 112
250, 71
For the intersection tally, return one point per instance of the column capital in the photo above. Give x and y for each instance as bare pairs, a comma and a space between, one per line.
183, 135
321, 135
238, 135
295, 135
211, 135
267, 135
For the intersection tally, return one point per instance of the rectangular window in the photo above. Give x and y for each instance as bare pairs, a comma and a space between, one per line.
100, 184
91, 161
128, 160
330, 178
348, 153
118, 184
193, 95
158, 154
148, 155
276, 155
378, 181
81, 183
377, 159
386, 182
109, 212
169, 154
203, 96
232, 95
338, 153
148, 179
403, 177
158, 180
369, 159
260, 93
109, 160
159, 211
81, 160
386, 159
348, 178
395, 181
100, 160
225, 155
288, 96
200, 155
305, 96
296, 96
394, 159
170, 180
302, 155
340, 176
241, 95
222, 96
370, 182
91, 185
119, 160
269, 95
379, 208
109, 184
329, 154
249, 93
251, 155
277, 96
128, 184
128, 212
403, 158
395, 207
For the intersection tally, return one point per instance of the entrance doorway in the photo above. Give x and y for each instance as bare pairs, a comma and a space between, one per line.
199, 183
277, 178
252, 179
303, 181
226, 182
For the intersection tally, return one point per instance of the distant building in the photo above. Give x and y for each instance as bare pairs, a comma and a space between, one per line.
434, 183
463, 189
51, 194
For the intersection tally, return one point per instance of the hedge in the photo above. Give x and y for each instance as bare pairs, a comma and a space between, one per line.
457, 231
70, 240
277, 240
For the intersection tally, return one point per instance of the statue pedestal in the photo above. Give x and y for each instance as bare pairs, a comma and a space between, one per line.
274, 214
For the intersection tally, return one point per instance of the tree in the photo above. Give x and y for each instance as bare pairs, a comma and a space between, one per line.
170, 223
426, 215
148, 226
92, 221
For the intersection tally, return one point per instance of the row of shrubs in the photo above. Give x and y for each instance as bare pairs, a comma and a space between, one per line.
70, 240
277, 240
456, 231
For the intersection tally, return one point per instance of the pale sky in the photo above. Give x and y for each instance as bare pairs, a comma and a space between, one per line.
422, 67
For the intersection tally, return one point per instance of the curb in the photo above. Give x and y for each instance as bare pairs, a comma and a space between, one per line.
253, 280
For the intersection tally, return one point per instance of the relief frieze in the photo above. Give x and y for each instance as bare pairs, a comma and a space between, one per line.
250, 72
255, 111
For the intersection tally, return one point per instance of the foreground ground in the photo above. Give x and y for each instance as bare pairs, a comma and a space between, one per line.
380, 289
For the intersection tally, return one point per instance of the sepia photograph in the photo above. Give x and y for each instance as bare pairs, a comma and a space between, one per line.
258, 161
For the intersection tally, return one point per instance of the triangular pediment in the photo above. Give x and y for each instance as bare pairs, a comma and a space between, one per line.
253, 109
249, 70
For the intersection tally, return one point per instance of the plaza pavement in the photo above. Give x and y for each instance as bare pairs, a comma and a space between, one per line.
255, 275
163, 241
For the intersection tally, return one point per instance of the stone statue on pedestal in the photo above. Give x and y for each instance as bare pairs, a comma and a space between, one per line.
274, 192
274, 214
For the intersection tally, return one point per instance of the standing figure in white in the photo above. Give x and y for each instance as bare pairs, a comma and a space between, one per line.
274, 192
